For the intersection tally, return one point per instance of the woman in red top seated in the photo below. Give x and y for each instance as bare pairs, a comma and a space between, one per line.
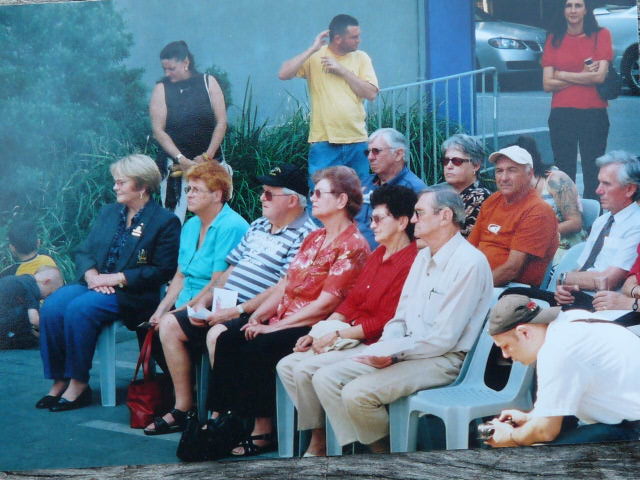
576, 58
627, 298
318, 279
362, 316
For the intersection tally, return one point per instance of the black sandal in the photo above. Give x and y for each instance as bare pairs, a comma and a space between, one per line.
162, 427
251, 449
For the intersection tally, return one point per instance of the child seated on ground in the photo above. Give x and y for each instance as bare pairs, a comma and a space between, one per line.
24, 244
20, 297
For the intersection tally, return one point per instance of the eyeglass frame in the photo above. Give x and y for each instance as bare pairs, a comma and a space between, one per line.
457, 161
319, 193
268, 195
376, 151
195, 190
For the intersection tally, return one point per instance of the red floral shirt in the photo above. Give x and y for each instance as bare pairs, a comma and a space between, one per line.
332, 269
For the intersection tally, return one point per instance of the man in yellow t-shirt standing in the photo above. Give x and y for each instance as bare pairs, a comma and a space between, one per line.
339, 77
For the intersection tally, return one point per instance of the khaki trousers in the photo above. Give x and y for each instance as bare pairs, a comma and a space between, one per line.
296, 372
354, 395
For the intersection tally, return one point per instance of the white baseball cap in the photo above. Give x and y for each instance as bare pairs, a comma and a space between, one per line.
514, 153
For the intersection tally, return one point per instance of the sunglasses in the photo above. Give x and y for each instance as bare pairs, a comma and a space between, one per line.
457, 161
376, 219
318, 193
195, 190
268, 195
376, 151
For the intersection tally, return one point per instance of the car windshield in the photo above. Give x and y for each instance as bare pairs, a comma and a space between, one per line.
482, 16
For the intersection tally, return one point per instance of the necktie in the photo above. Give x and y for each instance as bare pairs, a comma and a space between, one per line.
597, 246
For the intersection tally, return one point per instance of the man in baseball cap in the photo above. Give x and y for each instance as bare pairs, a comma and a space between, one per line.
587, 369
516, 229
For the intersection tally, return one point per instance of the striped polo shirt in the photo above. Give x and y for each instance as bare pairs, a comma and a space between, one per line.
262, 257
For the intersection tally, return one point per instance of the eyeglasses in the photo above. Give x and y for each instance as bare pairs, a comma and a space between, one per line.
195, 190
268, 195
418, 213
376, 151
377, 218
318, 193
457, 161
119, 182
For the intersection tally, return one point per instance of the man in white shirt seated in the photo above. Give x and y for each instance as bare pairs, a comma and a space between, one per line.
587, 368
611, 247
441, 310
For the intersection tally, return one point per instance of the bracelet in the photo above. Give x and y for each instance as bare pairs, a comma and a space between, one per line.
122, 281
179, 156
206, 156
240, 309
635, 305
562, 278
631, 294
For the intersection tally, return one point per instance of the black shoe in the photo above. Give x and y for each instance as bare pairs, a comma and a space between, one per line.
47, 401
63, 404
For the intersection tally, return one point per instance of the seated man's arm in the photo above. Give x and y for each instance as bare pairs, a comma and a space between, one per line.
587, 280
510, 269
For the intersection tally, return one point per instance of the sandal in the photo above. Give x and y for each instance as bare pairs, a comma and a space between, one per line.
251, 449
162, 427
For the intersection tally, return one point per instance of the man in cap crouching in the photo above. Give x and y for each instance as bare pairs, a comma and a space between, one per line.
586, 369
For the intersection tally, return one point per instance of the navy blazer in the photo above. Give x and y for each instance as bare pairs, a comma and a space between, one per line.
148, 260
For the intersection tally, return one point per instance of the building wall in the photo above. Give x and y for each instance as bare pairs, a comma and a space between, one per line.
251, 38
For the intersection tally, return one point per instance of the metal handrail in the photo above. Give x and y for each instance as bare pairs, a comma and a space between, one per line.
411, 102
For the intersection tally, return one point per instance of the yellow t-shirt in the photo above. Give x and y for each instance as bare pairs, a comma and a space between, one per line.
337, 113
30, 267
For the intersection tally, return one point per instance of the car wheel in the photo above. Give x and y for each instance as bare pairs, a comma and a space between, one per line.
631, 70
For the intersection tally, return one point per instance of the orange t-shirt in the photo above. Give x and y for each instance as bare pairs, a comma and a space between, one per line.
529, 226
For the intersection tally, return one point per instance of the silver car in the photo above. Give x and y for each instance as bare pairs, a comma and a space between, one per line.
510, 47
623, 24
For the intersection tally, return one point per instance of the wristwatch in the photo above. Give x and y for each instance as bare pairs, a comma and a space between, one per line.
240, 309
179, 156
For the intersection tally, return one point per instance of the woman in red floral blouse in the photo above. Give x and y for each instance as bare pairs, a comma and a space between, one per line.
319, 277
363, 314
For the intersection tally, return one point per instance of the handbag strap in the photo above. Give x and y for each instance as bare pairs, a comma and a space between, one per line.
145, 355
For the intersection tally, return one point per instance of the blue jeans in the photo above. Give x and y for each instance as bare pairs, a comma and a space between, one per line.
325, 154
70, 321
599, 432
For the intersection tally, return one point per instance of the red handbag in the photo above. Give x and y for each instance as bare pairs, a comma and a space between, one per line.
151, 396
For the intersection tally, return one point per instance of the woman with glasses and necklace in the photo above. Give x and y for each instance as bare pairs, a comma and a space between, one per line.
462, 156
205, 241
318, 279
360, 318
129, 254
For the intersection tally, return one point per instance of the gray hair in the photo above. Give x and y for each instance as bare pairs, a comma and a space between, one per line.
302, 200
393, 138
444, 196
629, 171
468, 144
142, 169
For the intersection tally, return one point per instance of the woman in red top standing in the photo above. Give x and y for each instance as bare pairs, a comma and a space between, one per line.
576, 58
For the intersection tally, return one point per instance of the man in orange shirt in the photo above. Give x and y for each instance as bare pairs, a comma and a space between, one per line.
516, 229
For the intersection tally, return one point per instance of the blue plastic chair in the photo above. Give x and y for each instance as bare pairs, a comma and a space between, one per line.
590, 211
568, 263
106, 351
202, 385
461, 402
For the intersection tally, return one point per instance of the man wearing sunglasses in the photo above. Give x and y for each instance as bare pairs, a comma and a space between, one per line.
387, 153
263, 255
339, 78
516, 229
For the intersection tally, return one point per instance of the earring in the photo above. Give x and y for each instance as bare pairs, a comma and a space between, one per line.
140, 195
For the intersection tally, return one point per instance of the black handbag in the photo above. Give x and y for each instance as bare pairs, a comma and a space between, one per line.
222, 434
612, 85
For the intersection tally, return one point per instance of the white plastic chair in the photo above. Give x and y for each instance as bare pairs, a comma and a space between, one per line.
460, 403
590, 211
568, 263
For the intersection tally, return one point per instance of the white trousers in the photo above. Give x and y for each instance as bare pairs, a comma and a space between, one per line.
354, 395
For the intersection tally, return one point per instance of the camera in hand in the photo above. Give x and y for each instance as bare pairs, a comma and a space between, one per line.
485, 431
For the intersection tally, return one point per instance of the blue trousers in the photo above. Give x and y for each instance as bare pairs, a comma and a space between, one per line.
325, 154
599, 432
70, 320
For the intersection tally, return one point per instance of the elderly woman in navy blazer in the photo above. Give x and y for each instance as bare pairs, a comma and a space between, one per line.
131, 251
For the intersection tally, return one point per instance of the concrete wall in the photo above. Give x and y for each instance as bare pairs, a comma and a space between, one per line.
251, 38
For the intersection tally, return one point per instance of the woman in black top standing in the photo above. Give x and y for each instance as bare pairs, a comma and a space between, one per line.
188, 117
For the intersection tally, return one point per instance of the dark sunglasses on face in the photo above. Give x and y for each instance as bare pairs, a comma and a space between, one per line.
318, 193
457, 161
375, 151
268, 195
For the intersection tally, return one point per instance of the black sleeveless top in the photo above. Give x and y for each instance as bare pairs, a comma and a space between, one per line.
190, 119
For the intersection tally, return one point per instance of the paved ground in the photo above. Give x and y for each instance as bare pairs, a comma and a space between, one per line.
91, 436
